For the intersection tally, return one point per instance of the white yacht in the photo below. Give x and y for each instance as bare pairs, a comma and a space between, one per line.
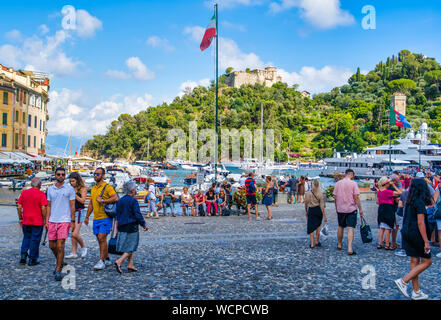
408, 152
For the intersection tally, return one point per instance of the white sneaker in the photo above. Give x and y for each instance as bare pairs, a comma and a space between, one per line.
83, 252
72, 256
402, 286
401, 253
258, 218
107, 262
438, 255
419, 295
100, 265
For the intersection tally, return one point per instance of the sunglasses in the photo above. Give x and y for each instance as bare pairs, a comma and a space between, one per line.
97, 174
60, 174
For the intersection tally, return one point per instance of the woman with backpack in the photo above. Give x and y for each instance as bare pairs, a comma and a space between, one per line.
315, 213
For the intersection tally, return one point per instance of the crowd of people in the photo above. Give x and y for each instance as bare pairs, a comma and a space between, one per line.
406, 203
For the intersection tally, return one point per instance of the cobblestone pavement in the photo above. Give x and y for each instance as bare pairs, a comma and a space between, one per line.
218, 258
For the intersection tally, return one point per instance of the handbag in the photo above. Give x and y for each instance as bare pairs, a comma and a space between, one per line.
112, 242
109, 208
365, 232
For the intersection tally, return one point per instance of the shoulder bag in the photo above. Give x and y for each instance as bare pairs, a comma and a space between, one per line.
109, 208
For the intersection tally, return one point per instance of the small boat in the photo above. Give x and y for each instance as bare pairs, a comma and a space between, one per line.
191, 179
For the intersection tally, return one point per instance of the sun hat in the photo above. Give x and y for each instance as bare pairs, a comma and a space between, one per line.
420, 175
383, 181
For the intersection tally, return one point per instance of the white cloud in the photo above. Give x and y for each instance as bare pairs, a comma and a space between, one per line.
37, 54
137, 71
44, 29
157, 42
196, 33
323, 14
230, 55
13, 35
117, 74
188, 86
317, 80
308, 78
87, 25
68, 110
45, 53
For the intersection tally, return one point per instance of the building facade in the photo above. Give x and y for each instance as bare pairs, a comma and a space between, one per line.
25, 122
266, 77
398, 102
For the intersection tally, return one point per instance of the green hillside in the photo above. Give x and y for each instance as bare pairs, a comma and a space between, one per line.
350, 117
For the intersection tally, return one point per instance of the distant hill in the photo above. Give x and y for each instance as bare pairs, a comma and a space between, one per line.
350, 117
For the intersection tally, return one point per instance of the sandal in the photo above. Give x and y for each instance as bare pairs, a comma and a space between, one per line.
132, 269
312, 247
339, 248
318, 244
389, 247
118, 268
380, 246
352, 253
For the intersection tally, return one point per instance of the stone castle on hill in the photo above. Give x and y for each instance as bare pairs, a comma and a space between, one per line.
266, 77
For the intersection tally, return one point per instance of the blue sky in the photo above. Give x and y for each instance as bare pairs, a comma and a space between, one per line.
126, 55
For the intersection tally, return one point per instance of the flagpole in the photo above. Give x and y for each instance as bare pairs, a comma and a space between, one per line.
390, 146
217, 93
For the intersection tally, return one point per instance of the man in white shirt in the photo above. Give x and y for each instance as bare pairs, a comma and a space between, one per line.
60, 217
151, 196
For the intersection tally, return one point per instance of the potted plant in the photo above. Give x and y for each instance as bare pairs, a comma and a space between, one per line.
240, 199
329, 193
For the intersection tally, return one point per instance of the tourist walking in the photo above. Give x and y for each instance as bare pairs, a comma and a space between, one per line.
150, 199
386, 211
301, 190
80, 199
168, 200
159, 198
60, 217
128, 219
315, 213
250, 194
347, 200
101, 194
292, 184
187, 202
268, 196
275, 190
32, 210
416, 238
397, 183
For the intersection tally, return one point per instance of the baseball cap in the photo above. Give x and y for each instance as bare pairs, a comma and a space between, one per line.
420, 175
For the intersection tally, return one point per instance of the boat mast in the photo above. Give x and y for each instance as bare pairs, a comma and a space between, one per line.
217, 94
261, 133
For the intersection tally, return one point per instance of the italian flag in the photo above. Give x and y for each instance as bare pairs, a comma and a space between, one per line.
398, 119
210, 33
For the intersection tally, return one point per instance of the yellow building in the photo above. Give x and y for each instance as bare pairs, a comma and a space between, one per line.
6, 113
26, 119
